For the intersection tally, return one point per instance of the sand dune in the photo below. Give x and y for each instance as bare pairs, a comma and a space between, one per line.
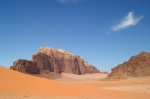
15, 85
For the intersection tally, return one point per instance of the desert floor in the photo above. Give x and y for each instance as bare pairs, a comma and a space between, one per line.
15, 85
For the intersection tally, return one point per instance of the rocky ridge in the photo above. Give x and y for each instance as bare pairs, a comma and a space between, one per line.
57, 61
136, 66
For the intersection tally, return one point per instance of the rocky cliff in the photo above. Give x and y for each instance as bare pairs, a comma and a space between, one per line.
90, 69
138, 65
25, 66
58, 61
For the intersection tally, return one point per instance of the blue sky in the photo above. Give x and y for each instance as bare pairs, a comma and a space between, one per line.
104, 32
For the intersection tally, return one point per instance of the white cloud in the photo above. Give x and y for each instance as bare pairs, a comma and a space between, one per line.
129, 20
68, 1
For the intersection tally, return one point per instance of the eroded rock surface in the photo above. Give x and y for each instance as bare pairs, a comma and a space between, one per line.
25, 66
61, 61
58, 61
138, 65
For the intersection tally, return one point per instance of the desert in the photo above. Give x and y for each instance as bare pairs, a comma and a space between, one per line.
74, 49
16, 85
54, 74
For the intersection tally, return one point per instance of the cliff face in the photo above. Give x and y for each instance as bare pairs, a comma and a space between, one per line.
25, 66
138, 65
90, 69
58, 61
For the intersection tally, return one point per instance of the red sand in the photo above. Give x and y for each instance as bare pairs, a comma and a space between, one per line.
17, 85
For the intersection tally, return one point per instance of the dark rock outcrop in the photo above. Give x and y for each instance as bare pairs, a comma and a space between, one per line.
138, 65
61, 61
25, 66
90, 69
57, 61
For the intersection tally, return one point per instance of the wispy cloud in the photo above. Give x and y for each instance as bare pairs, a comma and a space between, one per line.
129, 20
69, 1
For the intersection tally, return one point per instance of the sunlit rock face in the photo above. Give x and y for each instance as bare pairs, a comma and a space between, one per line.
52, 60
138, 65
61, 61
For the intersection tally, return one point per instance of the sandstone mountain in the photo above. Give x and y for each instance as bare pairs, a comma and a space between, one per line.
57, 61
138, 65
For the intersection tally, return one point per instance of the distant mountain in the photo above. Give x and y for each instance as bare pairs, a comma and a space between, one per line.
51, 60
136, 66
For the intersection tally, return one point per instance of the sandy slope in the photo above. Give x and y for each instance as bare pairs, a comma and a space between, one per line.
67, 77
15, 85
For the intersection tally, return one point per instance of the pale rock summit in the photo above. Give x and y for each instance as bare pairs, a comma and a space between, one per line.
65, 52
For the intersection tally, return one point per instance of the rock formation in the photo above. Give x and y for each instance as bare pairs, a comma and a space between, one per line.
138, 65
25, 66
90, 69
58, 61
